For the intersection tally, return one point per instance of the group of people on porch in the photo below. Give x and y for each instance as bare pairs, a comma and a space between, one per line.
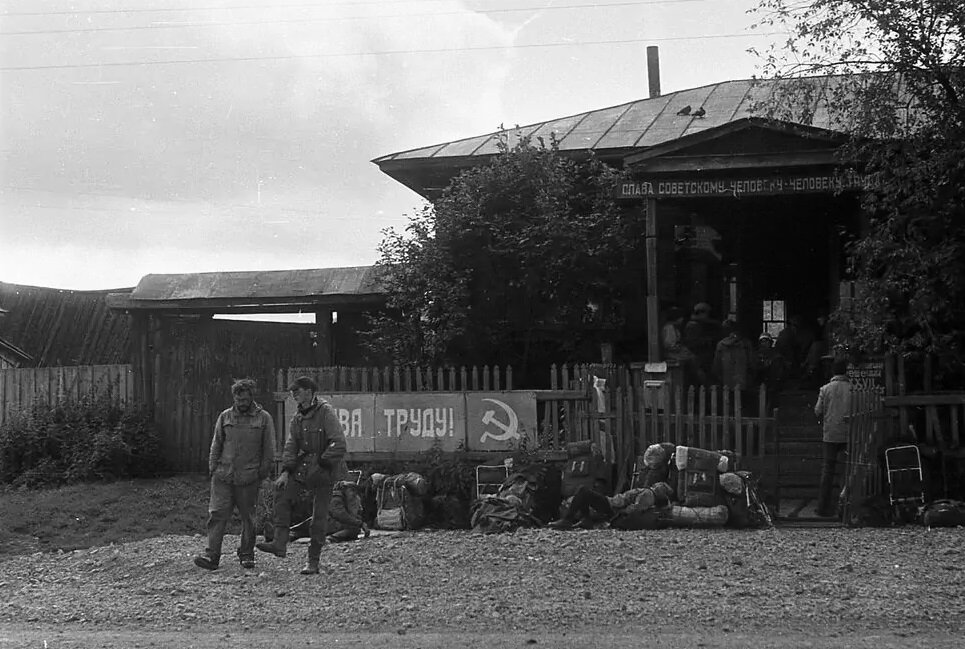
711, 352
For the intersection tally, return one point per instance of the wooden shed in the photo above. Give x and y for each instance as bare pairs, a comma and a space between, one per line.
184, 360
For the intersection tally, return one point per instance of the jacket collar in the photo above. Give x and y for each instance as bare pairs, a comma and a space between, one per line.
252, 411
307, 412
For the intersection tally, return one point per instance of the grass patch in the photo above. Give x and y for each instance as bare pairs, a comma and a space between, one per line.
95, 514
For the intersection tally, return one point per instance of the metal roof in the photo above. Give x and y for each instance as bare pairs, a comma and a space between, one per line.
615, 132
637, 124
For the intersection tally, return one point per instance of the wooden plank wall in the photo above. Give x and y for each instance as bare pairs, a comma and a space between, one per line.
194, 363
21, 388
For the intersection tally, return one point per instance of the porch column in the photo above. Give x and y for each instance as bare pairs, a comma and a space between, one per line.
653, 301
324, 345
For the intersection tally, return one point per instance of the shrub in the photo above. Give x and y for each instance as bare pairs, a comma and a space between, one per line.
78, 441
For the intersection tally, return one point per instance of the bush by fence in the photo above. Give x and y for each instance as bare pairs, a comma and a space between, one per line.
88, 439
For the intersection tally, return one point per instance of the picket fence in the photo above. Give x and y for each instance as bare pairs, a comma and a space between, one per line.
401, 378
632, 415
23, 388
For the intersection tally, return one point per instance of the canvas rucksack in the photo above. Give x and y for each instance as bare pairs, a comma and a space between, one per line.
585, 467
697, 483
345, 512
399, 501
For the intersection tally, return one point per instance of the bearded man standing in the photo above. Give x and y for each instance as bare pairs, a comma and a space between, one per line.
241, 456
314, 459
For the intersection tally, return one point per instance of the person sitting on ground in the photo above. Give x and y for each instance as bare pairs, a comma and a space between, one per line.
586, 501
345, 522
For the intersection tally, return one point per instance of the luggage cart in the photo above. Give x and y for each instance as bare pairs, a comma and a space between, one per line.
906, 485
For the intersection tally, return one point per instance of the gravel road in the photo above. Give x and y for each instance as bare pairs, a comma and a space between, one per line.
858, 584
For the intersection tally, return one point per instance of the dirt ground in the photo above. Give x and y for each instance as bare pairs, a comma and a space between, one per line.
800, 587
627, 639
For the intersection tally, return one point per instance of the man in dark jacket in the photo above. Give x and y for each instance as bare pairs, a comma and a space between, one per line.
241, 455
314, 458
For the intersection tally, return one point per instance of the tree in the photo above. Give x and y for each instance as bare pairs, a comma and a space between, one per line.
896, 86
506, 265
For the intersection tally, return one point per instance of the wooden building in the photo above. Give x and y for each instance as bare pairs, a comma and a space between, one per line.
59, 327
743, 213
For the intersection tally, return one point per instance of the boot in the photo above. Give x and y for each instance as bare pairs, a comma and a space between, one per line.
561, 524
207, 561
277, 547
311, 568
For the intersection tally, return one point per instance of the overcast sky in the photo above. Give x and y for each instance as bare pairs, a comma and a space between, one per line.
177, 136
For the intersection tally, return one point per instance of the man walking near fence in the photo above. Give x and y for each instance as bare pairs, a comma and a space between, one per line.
241, 456
833, 410
314, 458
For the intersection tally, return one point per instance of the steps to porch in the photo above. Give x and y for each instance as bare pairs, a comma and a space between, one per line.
798, 449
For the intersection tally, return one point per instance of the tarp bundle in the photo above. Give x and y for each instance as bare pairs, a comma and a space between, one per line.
527, 498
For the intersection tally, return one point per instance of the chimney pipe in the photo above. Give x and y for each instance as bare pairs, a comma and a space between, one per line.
653, 70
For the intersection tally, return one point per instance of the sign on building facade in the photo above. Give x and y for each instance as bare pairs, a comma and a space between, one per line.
418, 421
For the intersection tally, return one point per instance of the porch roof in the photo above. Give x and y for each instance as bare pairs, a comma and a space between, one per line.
271, 291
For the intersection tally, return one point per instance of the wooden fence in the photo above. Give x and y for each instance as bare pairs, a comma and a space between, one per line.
634, 415
22, 388
401, 378
866, 439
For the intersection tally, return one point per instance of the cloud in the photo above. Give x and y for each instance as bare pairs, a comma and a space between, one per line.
160, 167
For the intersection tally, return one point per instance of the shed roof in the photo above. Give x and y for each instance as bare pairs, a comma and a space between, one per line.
253, 291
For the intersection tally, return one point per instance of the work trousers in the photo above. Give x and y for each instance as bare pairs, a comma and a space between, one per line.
224, 499
828, 466
586, 499
321, 497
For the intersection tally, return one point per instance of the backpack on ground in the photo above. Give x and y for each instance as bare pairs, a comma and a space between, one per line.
585, 467
747, 509
697, 483
944, 513
345, 512
399, 501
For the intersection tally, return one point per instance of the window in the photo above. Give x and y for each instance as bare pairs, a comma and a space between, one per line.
773, 317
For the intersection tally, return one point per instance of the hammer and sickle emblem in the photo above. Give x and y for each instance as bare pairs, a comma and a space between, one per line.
510, 431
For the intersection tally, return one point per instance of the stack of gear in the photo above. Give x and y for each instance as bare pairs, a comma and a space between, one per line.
527, 498
683, 486
399, 501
